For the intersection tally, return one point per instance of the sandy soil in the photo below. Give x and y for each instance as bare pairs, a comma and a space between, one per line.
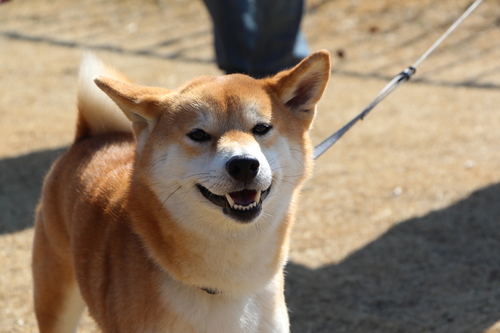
399, 229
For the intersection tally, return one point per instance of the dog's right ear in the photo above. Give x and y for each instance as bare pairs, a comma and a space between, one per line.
140, 104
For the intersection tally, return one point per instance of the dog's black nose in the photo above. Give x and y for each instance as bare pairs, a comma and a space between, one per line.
243, 168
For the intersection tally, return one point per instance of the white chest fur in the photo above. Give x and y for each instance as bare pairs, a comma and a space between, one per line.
200, 312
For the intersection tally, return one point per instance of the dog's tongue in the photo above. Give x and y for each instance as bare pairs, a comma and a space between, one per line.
243, 198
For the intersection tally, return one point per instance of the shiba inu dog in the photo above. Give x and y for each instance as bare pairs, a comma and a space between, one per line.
172, 209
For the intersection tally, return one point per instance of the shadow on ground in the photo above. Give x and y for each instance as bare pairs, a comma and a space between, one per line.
20, 187
436, 273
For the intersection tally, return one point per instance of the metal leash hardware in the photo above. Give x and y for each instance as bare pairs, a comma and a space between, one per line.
399, 79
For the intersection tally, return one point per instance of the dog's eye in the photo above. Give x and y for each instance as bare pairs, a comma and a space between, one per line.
199, 135
261, 129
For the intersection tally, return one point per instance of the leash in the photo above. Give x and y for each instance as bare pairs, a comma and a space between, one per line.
398, 80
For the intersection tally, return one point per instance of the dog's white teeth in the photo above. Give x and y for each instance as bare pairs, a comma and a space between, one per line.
253, 205
240, 207
230, 200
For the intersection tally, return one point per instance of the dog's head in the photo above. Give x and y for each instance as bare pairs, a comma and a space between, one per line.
222, 148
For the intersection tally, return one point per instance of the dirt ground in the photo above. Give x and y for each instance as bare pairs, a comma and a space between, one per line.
398, 230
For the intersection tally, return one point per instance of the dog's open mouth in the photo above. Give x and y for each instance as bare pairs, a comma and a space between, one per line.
243, 205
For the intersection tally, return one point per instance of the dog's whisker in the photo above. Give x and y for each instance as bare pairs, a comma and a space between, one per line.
163, 204
156, 161
275, 159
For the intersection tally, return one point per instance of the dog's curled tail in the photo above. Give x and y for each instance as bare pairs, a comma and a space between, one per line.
97, 113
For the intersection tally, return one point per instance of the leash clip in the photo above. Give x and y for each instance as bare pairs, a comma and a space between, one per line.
407, 73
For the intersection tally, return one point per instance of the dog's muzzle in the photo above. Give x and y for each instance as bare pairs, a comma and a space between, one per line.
242, 205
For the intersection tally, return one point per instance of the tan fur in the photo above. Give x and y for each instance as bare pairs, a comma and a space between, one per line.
123, 227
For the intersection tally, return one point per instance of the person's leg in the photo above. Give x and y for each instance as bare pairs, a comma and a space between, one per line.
257, 37
232, 38
280, 42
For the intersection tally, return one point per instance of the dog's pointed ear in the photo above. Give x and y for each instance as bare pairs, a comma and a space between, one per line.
140, 104
301, 87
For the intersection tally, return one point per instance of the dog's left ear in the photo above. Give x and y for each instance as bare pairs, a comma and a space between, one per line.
301, 87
